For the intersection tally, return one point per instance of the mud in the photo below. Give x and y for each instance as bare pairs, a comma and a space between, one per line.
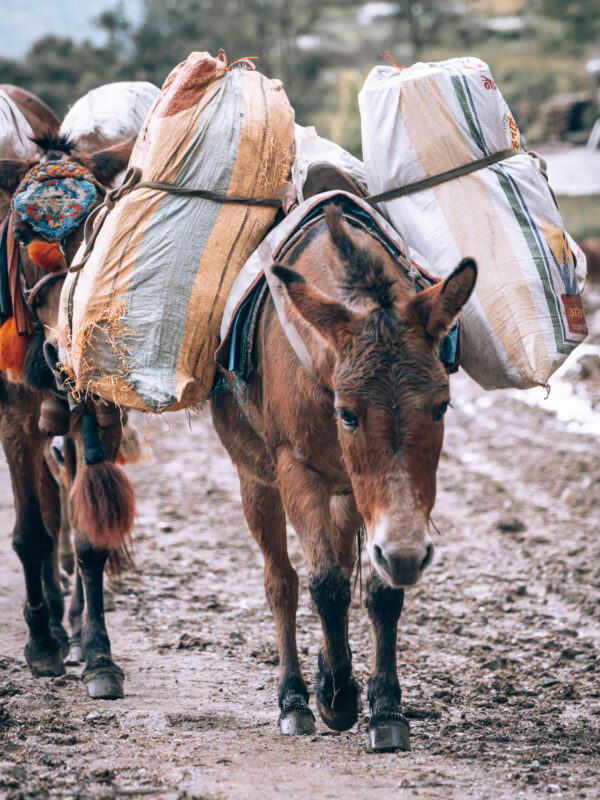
498, 649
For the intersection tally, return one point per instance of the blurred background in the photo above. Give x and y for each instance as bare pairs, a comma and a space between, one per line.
544, 55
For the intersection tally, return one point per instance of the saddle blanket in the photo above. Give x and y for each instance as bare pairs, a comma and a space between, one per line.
254, 280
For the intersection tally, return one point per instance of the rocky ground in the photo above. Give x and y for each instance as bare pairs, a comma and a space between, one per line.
498, 651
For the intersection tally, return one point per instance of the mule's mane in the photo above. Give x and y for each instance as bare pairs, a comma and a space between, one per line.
48, 142
365, 276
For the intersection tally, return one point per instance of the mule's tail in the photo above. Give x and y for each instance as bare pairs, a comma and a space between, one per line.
102, 500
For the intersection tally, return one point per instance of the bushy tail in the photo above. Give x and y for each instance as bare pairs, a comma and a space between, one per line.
130, 449
103, 505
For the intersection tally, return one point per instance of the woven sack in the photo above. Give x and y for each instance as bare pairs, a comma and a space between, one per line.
525, 315
139, 324
108, 115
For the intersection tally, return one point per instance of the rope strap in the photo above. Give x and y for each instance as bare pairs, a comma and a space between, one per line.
449, 175
132, 181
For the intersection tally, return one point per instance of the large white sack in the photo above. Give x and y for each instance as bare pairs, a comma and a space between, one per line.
15, 131
525, 315
109, 114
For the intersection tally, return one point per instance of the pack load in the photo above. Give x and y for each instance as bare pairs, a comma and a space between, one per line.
15, 132
526, 314
108, 115
139, 322
313, 150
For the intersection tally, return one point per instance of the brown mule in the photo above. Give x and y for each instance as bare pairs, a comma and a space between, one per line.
102, 499
351, 439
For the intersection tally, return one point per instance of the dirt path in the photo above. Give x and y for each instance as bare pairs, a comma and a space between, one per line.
498, 648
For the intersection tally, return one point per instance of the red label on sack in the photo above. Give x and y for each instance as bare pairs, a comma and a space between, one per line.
575, 314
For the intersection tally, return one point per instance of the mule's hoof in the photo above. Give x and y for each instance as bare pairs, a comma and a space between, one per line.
75, 654
297, 722
104, 686
337, 720
48, 665
389, 735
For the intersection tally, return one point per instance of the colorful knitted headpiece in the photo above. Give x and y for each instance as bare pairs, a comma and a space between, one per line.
55, 197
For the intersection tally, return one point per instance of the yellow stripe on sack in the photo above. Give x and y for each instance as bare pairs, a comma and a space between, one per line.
473, 220
238, 229
424, 115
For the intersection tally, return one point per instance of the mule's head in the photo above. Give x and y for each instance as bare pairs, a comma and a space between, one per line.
46, 243
378, 355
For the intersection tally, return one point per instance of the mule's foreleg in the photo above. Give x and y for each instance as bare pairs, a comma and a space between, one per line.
266, 519
336, 689
23, 446
330, 553
75, 655
51, 513
388, 728
103, 678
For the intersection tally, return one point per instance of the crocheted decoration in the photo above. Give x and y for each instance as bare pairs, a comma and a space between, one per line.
55, 197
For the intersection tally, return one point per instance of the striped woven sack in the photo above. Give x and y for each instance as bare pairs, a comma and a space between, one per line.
525, 315
139, 324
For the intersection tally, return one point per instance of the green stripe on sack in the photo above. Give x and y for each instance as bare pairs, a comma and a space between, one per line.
537, 256
464, 104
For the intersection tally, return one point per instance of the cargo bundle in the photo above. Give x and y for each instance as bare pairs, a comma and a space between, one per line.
139, 322
445, 159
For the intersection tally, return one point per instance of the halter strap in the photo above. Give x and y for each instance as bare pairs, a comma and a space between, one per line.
31, 294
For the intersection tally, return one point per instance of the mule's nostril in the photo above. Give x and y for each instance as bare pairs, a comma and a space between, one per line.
428, 556
378, 555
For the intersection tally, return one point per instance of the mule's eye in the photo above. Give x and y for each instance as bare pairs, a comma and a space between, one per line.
440, 411
348, 418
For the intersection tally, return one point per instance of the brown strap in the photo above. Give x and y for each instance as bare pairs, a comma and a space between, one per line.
132, 181
22, 317
435, 180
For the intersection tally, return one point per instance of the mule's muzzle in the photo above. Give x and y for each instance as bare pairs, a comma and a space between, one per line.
401, 568
400, 561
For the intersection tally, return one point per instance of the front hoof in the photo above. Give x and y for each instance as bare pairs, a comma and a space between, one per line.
337, 720
45, 665
106, 686
297, 722
389, 735
104, 681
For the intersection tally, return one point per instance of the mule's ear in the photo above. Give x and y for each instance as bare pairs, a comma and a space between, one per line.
437, 307
12, 172
106, 164
332, 320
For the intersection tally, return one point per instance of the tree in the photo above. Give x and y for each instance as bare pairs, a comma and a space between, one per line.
424, 22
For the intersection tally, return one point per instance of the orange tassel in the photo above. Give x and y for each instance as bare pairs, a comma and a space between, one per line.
12, 350
46, 255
